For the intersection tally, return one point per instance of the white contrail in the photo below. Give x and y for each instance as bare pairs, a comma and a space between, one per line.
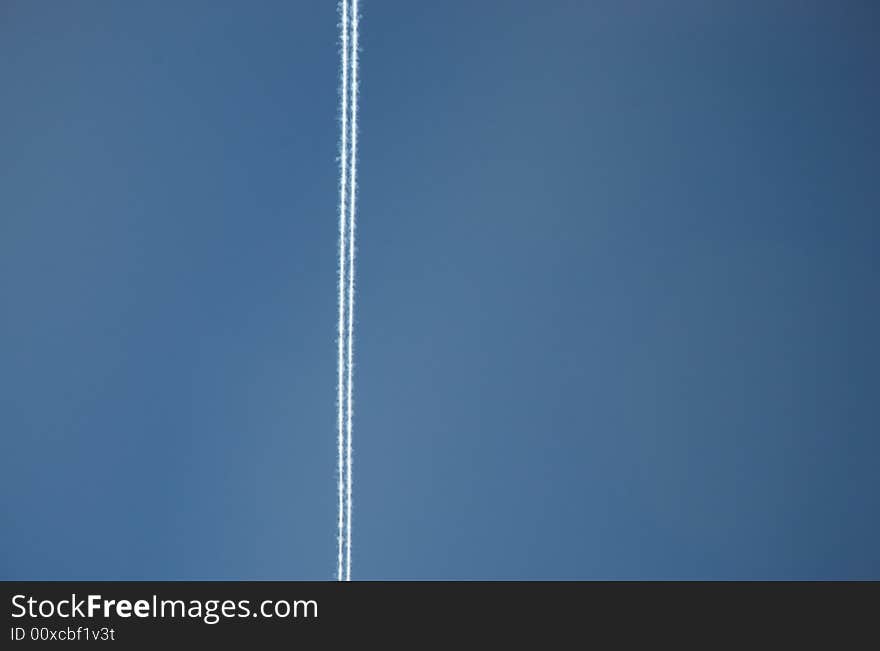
345, 332
355, 19
340, 379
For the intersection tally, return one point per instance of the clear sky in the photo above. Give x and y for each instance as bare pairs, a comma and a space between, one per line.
617, 311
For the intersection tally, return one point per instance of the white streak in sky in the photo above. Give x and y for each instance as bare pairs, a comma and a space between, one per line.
340, 379
351, 253
345, 331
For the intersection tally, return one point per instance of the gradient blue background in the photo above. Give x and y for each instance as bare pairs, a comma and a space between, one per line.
618, 305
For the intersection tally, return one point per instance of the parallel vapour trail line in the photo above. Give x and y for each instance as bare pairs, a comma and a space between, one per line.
355, 19
340, 379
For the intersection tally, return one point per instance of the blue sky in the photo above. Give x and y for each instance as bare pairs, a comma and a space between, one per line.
617, 305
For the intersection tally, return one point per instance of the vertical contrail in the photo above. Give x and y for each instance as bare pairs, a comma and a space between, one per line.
355, 19
340, 379
346, 272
